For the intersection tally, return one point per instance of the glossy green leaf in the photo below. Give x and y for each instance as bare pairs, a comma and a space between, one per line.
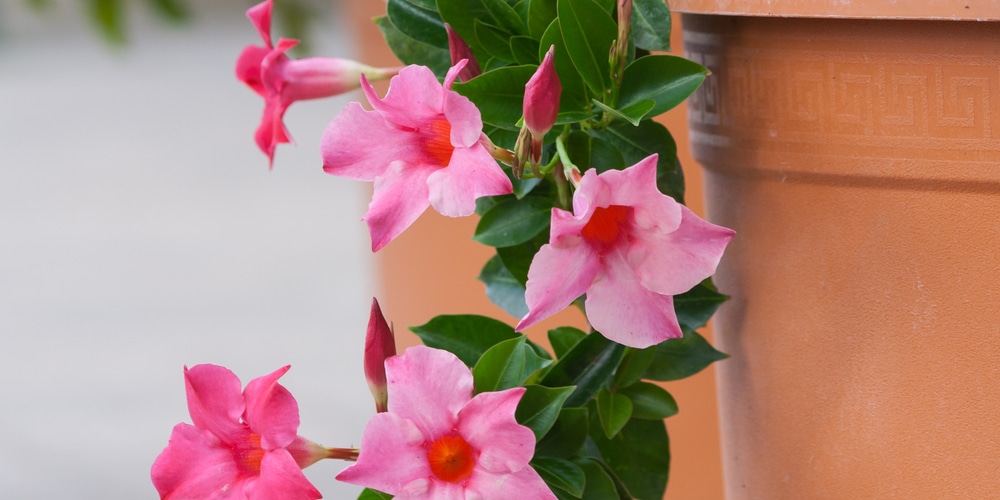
467, 336
574, 98
666, 80
417, 22
588, 365
651, 24
505, 17
540, 406
370, 494
494, 40
696, 306
680, 358
567, 435
633, 365
512, 221
613, 410
636, 143
588, 32
524, 50
517, 258
410, 51
599, 485
541, 13
502, 288
639, 456
501, 366
560, 473
564, 338
633, 113
650, 401
499, 94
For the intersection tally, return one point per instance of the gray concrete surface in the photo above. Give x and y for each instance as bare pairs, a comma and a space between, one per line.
140, 230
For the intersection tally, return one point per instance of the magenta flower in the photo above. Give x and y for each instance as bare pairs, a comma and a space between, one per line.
541, 97
458, 50
241, 446
420, 144
282, 81
630, 248
380, 344
438, 441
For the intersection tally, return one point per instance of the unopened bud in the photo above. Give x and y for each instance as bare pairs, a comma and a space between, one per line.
379, 345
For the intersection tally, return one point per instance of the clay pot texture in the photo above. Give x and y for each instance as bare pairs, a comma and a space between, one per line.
859, 163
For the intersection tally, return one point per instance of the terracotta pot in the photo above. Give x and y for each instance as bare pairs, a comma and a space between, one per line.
859, 163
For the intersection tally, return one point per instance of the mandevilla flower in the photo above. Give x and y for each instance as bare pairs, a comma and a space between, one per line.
241, 446
630, 248
380, 343
541, 108
420, 144
438, 441
282, 81
458, 50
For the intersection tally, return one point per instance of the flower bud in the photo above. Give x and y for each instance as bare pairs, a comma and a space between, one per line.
379, 345
541, 97
460, 50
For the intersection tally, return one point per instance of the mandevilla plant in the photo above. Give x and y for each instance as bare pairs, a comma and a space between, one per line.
536, 115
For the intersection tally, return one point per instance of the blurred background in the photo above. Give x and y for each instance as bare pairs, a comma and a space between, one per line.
141, 231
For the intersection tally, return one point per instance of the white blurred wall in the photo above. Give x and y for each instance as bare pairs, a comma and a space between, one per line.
140, 230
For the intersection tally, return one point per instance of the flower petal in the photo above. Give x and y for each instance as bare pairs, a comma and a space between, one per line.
429, 387
280, 477
194, 465
464, 117
248, 67
525, 483
271, 411
414, 97
672, 263
214, 400
400, 196
487, 423
392, 455
472, 173
271, 130
556, 278
624, 311
636, 187
260, 16
360, 144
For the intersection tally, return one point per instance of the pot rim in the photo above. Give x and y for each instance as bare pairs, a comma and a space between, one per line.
953, 10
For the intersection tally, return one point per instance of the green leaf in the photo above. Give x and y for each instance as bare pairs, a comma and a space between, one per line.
666, 80
524, 49
467, 336
695, 306
632, 113
501, 366
639, 456
564, 338
108, 16
614, 411
462, 16
567, 435
505, 17
494, 40
417, 23
680, 358
636, 143
517, 258
502, 288
512, 221
410, 51
171, 10
588, 366
633, 365
651, 24
499, 94
541, 13
561, 473
588, 32
370, 494
539, 407
574, 97
599, 484
650, 401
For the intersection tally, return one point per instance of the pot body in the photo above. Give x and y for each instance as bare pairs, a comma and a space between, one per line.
859, 163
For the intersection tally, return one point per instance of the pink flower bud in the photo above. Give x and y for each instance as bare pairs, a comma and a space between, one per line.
541, 97
460, 50
379, 345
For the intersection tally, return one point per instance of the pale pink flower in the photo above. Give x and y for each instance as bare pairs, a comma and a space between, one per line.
281, 80
380, 343
241, 446
420, 145
628, 247
437, 441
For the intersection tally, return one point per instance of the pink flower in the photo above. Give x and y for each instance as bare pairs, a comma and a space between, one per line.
420, 144
380, 343
438, 441
282, 81
459, 50
241, 446
541, 97
630, 249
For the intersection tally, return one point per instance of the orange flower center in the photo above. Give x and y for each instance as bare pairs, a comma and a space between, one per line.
248, 454
451, 458
437, 142
605, 225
